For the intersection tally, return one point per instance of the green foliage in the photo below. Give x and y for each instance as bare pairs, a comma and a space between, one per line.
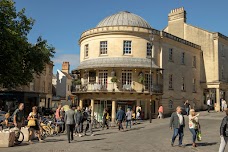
114, 79
77, 82
141, 79
19, 59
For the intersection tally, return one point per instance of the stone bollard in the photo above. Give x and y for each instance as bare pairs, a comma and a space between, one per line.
7, 138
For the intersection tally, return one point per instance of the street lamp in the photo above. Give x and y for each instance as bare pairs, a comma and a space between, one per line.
151, 38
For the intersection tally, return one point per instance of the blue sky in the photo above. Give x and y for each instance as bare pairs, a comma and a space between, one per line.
61, 22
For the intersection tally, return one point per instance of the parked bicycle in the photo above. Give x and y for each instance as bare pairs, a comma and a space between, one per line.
96, 124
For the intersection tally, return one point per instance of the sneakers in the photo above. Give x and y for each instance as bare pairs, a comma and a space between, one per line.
172, 144
80, 135
41, 141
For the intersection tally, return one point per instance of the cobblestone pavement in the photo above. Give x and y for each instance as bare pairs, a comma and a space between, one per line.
154, 137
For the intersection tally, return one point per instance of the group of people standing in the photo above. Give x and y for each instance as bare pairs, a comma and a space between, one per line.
177, 123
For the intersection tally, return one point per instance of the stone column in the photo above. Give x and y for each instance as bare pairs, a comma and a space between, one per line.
113, 112
92, 105
81, 103
217, 108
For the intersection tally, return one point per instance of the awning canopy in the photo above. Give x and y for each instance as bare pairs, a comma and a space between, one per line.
118, 62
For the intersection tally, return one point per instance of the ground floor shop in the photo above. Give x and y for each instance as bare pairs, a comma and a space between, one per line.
9, 100
112, 101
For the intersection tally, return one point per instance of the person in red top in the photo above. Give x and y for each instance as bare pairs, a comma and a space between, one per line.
160, 112
57, 113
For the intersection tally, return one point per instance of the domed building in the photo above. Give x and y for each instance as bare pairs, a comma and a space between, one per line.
126, 62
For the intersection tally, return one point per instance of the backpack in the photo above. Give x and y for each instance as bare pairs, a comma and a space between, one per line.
85, 116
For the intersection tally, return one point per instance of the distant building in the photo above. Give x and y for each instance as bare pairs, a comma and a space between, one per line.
36, 93
64, 82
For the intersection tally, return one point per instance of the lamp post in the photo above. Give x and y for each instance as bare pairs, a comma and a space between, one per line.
151, 37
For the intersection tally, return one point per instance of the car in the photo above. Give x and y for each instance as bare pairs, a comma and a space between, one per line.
2, 116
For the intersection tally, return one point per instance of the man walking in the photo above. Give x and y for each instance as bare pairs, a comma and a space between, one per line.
18, 116
89, 121
177, 123
120, 117
208, 105
70, 122
187, 107
79, 120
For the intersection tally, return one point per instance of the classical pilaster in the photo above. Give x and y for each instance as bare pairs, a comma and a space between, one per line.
113, 112
92, 105
217, 108
81, 103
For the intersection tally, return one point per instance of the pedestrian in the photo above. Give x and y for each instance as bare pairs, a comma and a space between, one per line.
89, 121
138, 115
57, 113
105, 119
62, 116
160, 112
79, 122
34, 116
193, 125
187, 107
70, 122
7, 122
133, 117
177, 123
208, 105
224, 132
128, 117
18, 116
224, 105
120, 117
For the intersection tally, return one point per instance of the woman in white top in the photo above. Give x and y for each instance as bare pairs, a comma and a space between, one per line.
193, 125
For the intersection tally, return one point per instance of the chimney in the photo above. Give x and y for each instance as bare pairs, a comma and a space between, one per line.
66, 67
177, 19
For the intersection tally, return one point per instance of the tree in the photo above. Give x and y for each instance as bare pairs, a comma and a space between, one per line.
19, 59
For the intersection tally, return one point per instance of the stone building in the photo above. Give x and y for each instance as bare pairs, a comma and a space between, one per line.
214, 72
36, 93
126, 62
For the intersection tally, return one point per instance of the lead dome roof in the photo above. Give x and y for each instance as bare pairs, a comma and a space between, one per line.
124, 18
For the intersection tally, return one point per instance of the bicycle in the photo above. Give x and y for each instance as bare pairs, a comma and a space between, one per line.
96, 124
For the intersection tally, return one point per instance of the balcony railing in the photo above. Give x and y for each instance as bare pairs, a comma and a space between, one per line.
113, 87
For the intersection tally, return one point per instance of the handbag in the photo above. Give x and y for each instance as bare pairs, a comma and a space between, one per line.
31, 122
199, 136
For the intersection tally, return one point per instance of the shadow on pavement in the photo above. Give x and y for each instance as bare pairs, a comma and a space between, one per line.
91, 140
132, 129
203, 144
54, 140
104, 133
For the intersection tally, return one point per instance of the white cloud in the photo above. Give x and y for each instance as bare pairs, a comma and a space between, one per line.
74, 60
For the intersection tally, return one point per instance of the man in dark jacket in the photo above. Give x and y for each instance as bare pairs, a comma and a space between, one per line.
70, 122
88, 121
79, 121
177, 123
224, 133
120, 117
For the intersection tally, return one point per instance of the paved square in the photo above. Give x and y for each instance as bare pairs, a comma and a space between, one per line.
146, 137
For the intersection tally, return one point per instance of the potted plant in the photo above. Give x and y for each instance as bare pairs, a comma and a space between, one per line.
114, 80
141, 80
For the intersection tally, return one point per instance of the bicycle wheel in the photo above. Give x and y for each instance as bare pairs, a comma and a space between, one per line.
19, 138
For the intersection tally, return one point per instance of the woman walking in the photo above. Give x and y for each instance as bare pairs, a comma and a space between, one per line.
128, 117
224, 133
193, 125
105, 120
34, 127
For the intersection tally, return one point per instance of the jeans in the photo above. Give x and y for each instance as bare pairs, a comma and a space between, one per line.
194, 134
105, 123
120, 124
187, 111
160, 115
128, 122
79, 128
176, 132
70, 131
223, 144
88, 127
208, 108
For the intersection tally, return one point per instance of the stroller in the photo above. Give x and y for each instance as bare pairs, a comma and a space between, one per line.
47, 127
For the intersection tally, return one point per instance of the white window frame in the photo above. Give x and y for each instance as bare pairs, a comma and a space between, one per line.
103, 78
103, 47
148, 81
86, 50
148, 49
127, 77
170, 81
127, 47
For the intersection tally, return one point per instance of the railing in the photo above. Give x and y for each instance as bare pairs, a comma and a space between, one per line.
113, 87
